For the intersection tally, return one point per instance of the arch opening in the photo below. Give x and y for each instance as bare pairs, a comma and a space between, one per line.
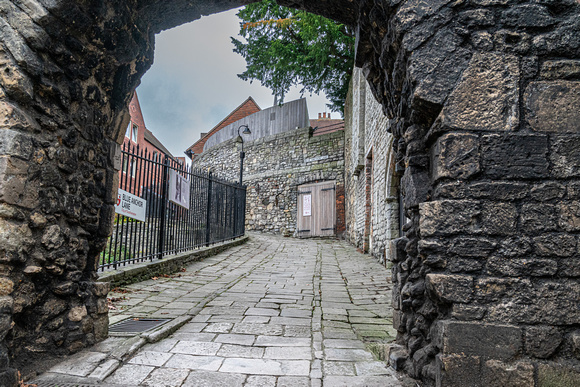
477, 98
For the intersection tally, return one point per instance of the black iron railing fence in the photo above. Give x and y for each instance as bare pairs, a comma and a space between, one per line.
216, 210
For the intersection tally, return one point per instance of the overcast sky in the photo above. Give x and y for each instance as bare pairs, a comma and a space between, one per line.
193, 83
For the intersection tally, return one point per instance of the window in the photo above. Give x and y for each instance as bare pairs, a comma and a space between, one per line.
134, 168
125, 162
128, 131
134, 133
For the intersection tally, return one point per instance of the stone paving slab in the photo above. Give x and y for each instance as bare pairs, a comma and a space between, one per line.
273, 312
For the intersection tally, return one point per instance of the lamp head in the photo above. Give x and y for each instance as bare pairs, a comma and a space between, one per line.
246, 129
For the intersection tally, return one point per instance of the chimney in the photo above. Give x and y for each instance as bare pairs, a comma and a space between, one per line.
319, 115
324, 115
203, 135
328, 115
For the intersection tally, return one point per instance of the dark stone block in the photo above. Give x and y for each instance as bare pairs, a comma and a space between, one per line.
497, 190
570, 216
498, 218
569, 267
416, 186
529, 15
472, 247
542, 342
397, 357
547, 302
536, 218
458, 370
497, 373
478, 339
463, 265
515, 157
515, 246
573, 190
492, 289
450, 288
548, 191
467, 312
486, 98
427, 247
9, 378
521, 267
560, 69
447, 217
477, 17
565, 157
456, 156
550, 106
559, 245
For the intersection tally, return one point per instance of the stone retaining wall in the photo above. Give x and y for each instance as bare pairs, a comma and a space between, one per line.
274, 167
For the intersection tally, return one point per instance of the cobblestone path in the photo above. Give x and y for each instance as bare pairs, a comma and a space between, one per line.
272, 312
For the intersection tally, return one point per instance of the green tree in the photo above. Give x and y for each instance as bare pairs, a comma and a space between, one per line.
287, 47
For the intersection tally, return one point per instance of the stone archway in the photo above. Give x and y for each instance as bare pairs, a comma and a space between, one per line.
482, 97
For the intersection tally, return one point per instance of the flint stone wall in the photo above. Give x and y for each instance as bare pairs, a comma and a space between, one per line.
274, 167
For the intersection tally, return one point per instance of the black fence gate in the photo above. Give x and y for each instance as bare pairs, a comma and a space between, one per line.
216, 210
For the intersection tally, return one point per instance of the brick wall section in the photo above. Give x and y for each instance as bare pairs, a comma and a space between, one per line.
273, 168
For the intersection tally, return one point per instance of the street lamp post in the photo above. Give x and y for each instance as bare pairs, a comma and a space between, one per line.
242, 154
240, 207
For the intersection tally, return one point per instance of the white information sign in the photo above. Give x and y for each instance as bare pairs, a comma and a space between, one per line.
178, 189
307, 205
130, 205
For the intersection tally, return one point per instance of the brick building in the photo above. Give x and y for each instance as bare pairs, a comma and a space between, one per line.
138, 138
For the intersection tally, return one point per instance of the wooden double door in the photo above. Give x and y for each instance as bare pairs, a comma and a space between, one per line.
316, 209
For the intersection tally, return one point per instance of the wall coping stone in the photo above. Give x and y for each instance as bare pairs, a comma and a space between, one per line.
145, 270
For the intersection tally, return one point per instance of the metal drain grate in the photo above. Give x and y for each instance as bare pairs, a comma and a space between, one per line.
137, 325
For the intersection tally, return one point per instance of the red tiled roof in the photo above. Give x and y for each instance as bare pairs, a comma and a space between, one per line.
326, 125
249, 106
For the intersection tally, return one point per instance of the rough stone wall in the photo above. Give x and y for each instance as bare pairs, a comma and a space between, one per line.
372, 189
60, 121
274, 167
67, 73
483, 98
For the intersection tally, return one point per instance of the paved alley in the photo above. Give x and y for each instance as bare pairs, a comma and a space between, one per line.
273, 312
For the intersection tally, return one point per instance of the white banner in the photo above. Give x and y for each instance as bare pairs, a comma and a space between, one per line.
178, 189
307, 205
130, 205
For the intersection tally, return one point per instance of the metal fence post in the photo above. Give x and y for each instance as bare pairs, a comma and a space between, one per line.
208, 215
243, 192
164, 203
236, 201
